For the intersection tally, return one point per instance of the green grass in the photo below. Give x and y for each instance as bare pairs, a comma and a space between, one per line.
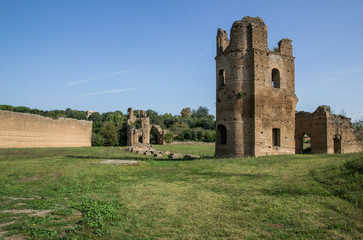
274, 197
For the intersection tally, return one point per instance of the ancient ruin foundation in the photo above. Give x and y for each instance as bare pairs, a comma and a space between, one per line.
28, 130
255, 92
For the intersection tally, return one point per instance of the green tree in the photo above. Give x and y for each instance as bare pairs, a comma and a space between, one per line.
109, 132
169, 137
123, 134
210, 136
199, 135
358, 125
97, 139
201, 112
168, 119
155, 119
186, 112
95, 117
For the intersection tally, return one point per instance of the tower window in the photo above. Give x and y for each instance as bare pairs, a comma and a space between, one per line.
221, 77
276, 137
222, 134
275, 78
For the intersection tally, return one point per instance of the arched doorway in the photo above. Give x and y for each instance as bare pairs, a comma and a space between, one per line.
305, 143
154, 136
157, 135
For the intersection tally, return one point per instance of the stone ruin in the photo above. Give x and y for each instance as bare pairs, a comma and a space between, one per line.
328, 133
255, 92
256, 101
139, 127
149, 150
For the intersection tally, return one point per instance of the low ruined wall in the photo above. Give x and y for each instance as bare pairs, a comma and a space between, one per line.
341, 128
329, 133
29, 130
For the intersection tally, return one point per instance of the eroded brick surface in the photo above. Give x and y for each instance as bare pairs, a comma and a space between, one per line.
30, 130
255, 92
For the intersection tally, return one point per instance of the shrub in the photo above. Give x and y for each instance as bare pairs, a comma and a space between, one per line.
209, 136
199, 135
109, 132
97, 139
169, 137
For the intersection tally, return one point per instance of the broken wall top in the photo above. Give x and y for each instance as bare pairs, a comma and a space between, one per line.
249, 33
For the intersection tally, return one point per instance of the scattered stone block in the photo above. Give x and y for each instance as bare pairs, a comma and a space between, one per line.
158, 155
174, 156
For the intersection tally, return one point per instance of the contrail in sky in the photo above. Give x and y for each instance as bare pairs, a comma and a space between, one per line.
107, 92
99, 77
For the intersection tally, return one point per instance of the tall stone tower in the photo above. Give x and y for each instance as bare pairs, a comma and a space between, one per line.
255, 92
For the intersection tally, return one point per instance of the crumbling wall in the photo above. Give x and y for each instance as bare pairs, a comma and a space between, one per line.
134, 134
19, 130
142, 134
341, 136
329, 133
315, 126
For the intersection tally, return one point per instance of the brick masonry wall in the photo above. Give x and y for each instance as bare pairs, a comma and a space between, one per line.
248, 106
18, 130
329, 133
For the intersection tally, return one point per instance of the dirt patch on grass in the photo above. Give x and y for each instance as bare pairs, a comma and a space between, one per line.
53, 175
31, 212
24, 199
2, 233
5, 224
119, 162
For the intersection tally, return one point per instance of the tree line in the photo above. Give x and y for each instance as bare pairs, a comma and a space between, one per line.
109, 129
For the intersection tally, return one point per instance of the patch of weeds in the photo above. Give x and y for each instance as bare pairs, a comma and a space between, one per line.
98, 214
240, 95
42, 232
67, 211
33, 221
276, 49
42, 205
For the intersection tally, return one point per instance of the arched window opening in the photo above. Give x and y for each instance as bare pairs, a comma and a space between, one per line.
140, 139
275, 78
221, 78
337, 144
276, 137
222, 134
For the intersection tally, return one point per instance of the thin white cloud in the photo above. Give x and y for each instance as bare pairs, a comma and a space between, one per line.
100, 77
351, 70
107, 92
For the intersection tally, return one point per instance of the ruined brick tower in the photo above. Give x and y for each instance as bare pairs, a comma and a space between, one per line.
255, 92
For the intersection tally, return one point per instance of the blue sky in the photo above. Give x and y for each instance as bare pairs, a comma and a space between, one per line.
109, 55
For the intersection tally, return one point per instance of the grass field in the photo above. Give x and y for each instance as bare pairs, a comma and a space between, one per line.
65, 193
